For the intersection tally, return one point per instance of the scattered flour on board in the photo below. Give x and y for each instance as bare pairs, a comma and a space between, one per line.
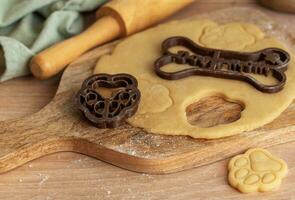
43, 178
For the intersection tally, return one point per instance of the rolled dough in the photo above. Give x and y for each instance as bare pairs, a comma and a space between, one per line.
163, 104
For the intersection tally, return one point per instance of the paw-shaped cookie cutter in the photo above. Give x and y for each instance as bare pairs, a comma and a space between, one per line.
256, 171
224, 64
108, 112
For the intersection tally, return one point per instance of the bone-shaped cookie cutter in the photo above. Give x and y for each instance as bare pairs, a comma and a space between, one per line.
224, 64
108, 112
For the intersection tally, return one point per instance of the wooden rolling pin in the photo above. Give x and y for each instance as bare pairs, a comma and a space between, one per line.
284, 6
115, 19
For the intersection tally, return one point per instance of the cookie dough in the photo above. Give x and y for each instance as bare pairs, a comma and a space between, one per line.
256, 171
163, 106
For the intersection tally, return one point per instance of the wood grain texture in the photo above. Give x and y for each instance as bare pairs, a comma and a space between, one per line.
213, 110
73, 176
284, 6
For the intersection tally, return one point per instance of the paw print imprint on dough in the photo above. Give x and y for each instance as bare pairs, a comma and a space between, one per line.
256, 171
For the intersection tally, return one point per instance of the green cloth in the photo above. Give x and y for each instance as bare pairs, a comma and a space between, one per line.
29, 26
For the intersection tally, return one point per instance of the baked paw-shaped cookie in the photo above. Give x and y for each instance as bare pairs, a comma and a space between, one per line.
256, 171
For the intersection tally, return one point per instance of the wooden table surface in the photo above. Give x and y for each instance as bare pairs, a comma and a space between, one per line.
74, 176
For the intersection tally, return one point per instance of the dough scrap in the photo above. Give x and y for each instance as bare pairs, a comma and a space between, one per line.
164, 112
256, 171
156, 106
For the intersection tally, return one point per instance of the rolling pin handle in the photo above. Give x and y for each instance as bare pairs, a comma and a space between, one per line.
52, 60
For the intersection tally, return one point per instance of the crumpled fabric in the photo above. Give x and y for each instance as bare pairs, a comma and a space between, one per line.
29, 26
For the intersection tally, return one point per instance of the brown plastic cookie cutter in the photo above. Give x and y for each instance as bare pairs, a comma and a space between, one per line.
224, 64
108, 112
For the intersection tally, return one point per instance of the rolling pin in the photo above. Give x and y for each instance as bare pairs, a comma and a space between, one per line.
118, 18
284, 6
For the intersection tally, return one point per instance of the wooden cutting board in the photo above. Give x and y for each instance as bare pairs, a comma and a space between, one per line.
61, 127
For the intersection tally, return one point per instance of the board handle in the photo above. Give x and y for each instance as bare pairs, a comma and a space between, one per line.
52, 129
